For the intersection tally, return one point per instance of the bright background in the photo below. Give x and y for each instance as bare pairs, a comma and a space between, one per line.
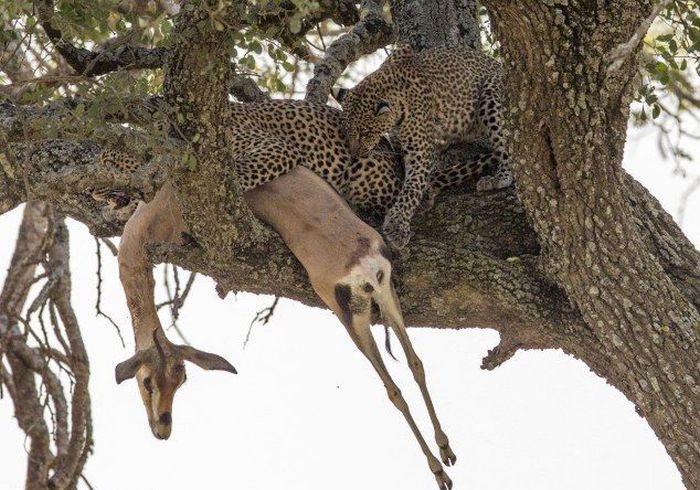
308, 412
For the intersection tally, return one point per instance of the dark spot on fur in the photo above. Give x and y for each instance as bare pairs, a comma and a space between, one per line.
386, 252
343, 296
363, 246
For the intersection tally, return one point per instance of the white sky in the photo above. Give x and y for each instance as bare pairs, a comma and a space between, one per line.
308, 412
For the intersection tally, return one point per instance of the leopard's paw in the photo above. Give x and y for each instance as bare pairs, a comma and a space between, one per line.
494, 182
397, 232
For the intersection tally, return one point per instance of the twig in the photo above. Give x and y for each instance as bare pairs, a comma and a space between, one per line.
176, 301
98, 310
619, 54
263, 317
111, 246
694, 186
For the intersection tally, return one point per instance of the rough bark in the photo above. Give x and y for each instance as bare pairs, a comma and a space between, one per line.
596, 245
446, 24
197, 80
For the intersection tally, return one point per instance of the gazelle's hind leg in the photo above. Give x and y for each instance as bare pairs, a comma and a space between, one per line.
446, 454
358, 328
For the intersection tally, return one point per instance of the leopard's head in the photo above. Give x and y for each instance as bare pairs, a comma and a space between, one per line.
377, 104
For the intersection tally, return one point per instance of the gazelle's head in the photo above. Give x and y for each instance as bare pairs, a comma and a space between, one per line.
159, 371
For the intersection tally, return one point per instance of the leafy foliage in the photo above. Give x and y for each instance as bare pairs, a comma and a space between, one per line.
670, 75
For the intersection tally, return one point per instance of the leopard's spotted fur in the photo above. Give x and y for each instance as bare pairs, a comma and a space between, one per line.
122, 162
427, 100
267, 139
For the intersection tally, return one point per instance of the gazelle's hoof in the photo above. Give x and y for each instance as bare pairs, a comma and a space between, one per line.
443, 481
447, 456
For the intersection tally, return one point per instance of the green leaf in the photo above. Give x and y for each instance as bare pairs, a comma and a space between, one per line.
256, 46
673, 46
295, 25
656, 111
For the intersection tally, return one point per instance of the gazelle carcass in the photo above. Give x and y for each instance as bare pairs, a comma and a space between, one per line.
347, 264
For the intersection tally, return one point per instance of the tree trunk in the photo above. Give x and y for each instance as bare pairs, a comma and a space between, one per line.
445, 24
568, 138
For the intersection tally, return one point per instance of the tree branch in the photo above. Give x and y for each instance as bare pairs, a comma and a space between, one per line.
369, 34
621, 52
91, 63
43, 239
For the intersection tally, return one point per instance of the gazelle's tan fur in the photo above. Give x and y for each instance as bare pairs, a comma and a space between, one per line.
348, 267
346, 261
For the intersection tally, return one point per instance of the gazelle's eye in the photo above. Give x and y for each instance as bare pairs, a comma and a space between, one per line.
147, 385
380, 276
382, 107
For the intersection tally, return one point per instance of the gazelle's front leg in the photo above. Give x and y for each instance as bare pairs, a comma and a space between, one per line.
446, 454
358, 327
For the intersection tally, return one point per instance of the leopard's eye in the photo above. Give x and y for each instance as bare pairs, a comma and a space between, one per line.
382, 108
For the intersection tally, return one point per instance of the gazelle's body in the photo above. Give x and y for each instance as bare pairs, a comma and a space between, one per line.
336, 248
344, 257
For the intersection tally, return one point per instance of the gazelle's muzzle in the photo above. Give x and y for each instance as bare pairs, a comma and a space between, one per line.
162, 426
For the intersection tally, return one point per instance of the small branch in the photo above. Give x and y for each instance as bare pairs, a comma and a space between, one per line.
111, 246
369, 34
263, 317
90, 63
98, 310
694, 186
277, 15
619, 54
176, 300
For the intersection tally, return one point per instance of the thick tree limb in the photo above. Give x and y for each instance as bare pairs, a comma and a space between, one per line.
618, 258
449, 23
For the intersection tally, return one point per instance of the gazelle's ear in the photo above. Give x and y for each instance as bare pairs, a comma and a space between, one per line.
127, 369
205, 360
339, 94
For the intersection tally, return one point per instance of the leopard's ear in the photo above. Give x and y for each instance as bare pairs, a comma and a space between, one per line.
403, 53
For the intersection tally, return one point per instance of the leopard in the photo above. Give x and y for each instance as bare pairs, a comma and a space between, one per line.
425, 101
269, 138
121, 161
